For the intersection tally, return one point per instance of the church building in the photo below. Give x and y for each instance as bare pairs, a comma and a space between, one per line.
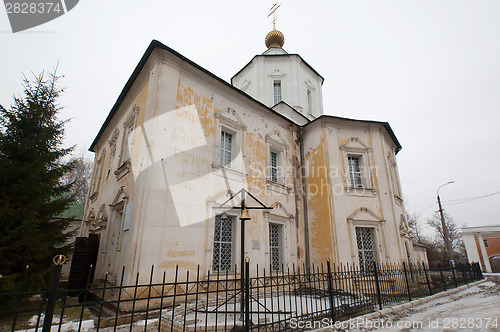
180, 142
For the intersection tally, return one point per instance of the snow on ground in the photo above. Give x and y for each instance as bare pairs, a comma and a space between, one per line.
475, 308
266, 309
88, 325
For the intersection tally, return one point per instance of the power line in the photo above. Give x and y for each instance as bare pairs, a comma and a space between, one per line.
471, 198
460, 201
433, 204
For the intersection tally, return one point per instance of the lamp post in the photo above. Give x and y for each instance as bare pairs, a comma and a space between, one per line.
243, 217
446, 234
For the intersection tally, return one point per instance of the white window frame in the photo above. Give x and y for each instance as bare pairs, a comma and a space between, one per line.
373, 231
280, 245
278, 168
363, 152
229, 121
288, 237
233, 244
365, 218
310, 101
225, 132
277, 96
277, 145
355, 175
310, 98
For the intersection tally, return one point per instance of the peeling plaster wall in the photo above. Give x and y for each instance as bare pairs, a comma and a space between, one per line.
109, 186
175, 178
167, 191
335, 209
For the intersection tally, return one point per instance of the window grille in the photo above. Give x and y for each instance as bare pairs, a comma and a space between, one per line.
277, 92
355, 172
274, 167
226, 149
485, 243
223, 244
365, 239
275, 245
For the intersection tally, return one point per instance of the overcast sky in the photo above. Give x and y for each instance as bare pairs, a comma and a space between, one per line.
429, 68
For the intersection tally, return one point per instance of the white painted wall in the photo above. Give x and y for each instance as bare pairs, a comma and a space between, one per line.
257, 79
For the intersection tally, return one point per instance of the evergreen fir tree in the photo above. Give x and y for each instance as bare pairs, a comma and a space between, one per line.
31, 190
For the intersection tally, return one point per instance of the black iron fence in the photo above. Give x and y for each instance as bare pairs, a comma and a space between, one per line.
272, 300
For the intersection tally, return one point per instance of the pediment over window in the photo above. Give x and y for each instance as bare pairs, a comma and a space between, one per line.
274, 138
98, 222
231, 118
277, 74
364, 214
120, 200
101, 220
245, 85
221, 198
310, 86
280, 211
354, 144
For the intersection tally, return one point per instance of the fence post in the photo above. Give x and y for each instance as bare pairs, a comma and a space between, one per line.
479, 271
377, 285
247, 297
453, 274
442, 277
463, 273
330, 291
427, 279
20, 296
407, 282
52, 297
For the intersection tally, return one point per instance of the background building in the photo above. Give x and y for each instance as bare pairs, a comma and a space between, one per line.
483, 245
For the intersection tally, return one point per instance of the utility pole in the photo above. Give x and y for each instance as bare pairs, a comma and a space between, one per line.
446, 234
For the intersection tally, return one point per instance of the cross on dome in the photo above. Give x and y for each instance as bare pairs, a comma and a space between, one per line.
274, 38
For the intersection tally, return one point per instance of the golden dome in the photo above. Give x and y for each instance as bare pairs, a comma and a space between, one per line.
275, 39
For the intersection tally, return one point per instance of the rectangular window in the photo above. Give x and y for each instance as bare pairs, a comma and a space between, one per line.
277, 92
274, 167
485, 243
223, 244
309, 101
276, 245
226, 147
355, 172
365, 239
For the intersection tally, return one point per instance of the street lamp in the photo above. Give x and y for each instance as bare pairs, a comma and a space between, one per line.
446, 234
243, 217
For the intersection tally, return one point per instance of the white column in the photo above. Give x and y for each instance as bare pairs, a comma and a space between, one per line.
486, 260
471, 247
